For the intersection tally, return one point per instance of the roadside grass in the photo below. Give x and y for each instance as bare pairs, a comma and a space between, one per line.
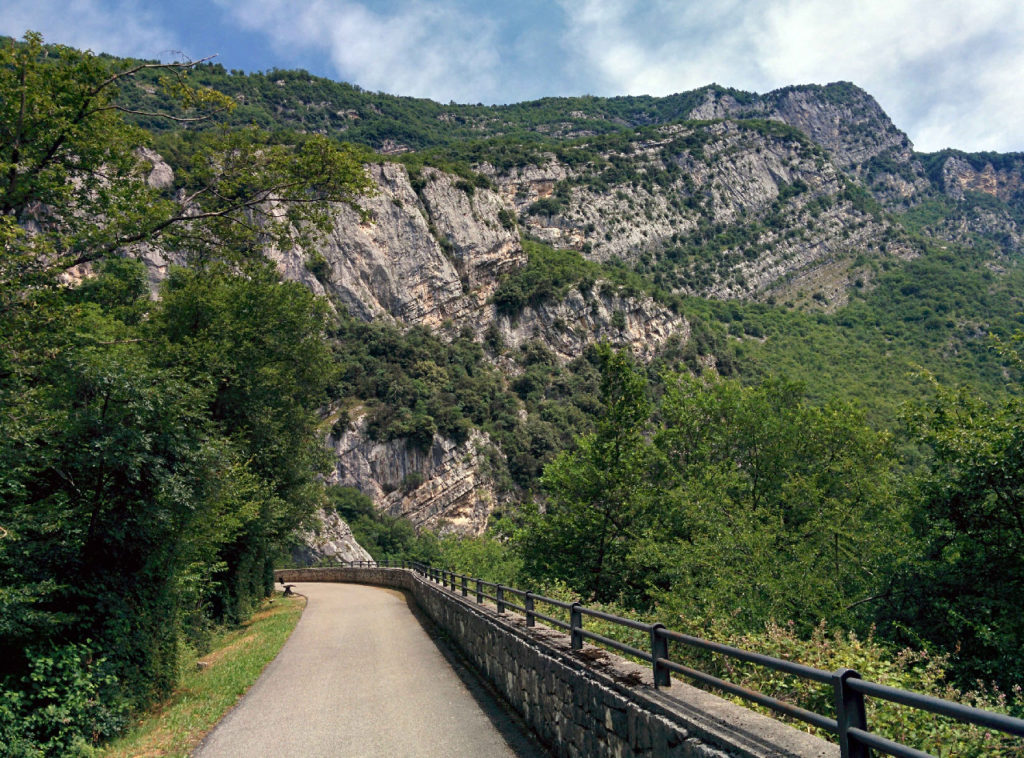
238, 656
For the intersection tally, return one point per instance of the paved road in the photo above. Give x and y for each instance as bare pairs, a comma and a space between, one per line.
360, 676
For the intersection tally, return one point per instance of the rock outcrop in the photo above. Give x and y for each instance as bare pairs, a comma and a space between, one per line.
724, 209
569, 325
430, 259
329, 539
960, 175
445, 487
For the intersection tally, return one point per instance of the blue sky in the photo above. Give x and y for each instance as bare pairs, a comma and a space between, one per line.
948, 72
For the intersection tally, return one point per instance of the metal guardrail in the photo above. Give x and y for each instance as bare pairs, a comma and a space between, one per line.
849, 689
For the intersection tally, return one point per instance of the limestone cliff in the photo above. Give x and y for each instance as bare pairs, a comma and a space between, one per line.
430, 251
327, 539
845, 121
431, 258
582, 317
434, 257
445, 487
723, 209
964, 173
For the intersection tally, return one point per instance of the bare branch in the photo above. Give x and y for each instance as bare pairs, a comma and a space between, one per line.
155, 114
128, 72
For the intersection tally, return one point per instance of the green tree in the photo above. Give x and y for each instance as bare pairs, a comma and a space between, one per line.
772, 505
153, 455
963, 591
259, 347
745, 502
73, 185
599, 494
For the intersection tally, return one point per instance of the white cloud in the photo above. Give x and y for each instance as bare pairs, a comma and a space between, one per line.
431, 50
944, 69
124, 27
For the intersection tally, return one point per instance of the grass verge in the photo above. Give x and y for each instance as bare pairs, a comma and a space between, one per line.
176, 726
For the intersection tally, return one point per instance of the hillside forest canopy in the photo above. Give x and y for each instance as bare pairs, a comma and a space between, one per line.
160, 451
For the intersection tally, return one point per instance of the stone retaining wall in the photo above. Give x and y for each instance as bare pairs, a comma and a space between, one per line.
588, 702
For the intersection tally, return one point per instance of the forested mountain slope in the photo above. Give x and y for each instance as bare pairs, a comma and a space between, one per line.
700, 355
798, 228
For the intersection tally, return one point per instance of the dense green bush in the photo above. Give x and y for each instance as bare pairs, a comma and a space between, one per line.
547, 276
66, 701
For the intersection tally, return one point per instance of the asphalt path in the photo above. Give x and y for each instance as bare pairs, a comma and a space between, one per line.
363, 674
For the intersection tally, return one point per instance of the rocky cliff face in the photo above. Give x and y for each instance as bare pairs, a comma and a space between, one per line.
328, 539
583, 317
430, 252
445, 487
840, 117
960, 175
845, 121
725, 210
418, 260
434, 257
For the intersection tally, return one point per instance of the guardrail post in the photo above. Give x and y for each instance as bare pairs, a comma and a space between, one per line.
465, 588
500, 594
850, 713
576, 626
659, 649
528, 605
479, 590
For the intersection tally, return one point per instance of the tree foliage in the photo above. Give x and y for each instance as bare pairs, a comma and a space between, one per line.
747, 502
963, 593
154, 454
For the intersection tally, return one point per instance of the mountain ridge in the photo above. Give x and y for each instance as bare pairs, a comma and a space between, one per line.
803, 198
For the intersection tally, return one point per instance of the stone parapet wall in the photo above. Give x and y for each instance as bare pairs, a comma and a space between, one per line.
588, 702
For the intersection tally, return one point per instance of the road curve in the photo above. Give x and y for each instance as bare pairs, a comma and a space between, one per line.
360, 676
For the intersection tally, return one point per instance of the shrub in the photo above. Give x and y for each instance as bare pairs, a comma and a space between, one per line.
66, 703
915, 670
411, 481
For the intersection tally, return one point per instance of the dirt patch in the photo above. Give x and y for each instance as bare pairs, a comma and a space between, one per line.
271, 609
215, 656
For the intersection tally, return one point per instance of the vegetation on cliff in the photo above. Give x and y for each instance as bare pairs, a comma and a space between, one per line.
854, 459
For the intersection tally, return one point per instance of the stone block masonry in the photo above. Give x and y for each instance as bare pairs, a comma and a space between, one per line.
588, 702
